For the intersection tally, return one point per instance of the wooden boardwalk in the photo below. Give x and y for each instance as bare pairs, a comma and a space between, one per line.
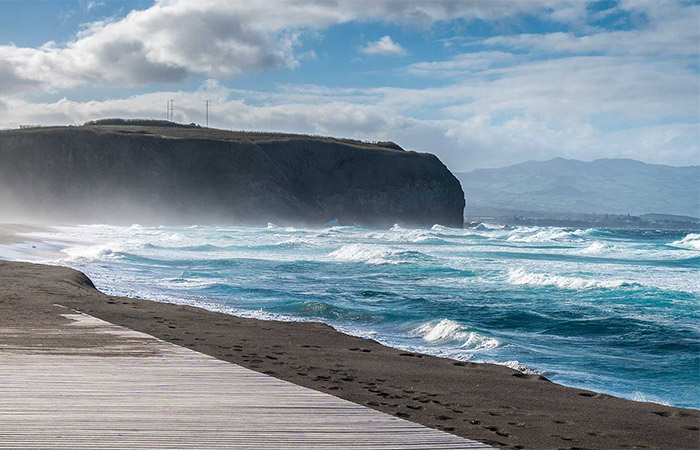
124, 389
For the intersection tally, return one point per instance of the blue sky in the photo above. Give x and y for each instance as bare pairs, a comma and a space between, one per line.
481, 84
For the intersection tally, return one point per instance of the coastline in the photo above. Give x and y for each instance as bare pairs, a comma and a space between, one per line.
485, 402
9, 232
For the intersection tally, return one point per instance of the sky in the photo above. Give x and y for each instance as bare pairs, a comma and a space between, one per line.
484, 83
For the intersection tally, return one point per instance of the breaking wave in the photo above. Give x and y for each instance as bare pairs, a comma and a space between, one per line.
596, 248
522, 277
447, 330
374, 254
90, 252
691, 241
537, 234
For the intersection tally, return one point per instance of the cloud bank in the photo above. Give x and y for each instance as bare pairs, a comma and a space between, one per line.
585, 93
175, 39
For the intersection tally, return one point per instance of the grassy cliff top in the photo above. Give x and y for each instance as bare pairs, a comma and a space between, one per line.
167, 129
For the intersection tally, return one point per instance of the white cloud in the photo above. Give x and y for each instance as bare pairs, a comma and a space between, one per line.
628, 89
384, 46
675, 39
174, 39
668, 29
92, 4
461, 64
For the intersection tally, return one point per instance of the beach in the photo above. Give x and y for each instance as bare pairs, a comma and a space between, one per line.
350, 225
485, 402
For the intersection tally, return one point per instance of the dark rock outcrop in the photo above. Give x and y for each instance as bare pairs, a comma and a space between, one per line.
156, 174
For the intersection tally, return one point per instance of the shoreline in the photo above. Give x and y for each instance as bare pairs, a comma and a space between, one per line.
481, 401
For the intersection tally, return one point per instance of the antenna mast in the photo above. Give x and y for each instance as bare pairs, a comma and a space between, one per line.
206, 102
171, 106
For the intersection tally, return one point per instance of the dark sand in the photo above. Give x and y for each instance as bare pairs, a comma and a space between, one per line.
485, 402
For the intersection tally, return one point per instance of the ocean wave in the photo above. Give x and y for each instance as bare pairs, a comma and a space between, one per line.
400, 234
443, 331
646, 398
188, 248
437, 234
286, 244
479, 343
376, 254
513, 364
181, 282
691, 241
322, 310
274, 227
441, 228
397, 227
438, 227
447, 330
522, 277
430, 241
91, 252
596, 248
551, 234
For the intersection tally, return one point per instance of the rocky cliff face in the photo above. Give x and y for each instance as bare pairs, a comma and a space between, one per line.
152, 174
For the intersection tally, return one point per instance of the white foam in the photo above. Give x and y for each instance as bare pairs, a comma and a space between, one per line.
691, 241
522, 277
597, 248
478, 343
538, 234
443, 331
447, 330
642, 397
372, 254
89, 252
515, 365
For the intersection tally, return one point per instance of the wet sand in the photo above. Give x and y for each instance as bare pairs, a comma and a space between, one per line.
484, 402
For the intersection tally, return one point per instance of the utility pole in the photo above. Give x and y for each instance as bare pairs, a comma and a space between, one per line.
206, 102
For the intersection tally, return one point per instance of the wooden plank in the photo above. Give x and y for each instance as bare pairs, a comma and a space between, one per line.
137, 391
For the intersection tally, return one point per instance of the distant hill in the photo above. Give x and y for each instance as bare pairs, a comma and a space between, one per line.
603, 186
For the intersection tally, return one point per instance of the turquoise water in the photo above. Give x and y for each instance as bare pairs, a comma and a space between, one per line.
614, 311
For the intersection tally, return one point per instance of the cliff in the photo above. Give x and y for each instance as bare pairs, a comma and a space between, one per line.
152, 173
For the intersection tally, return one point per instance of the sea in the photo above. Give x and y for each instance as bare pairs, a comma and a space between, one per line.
610, 310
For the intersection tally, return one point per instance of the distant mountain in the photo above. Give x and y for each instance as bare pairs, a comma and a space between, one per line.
603, 186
